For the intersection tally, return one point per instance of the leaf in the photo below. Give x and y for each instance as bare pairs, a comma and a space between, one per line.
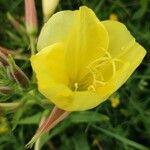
75, 117
87, 116
43, 139
16, 117
78, 117
61, 127
81, 143
35, 119
122, 139
141, 11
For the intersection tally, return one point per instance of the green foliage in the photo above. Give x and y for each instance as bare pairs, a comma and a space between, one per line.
126, 127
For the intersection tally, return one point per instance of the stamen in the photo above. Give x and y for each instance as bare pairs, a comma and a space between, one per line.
118, 60
91, 88
98, 75
99, 60
95, 68
106, 52
113, 67
97, 82
76, 85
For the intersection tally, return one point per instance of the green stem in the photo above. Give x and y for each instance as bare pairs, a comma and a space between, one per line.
32, 44
33, 52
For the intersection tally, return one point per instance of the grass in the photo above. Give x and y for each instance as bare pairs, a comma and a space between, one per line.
126, 127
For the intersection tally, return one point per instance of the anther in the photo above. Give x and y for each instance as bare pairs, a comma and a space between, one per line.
76, 85
91, 88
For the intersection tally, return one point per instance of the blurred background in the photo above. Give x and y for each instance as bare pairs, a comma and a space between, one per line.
120, 123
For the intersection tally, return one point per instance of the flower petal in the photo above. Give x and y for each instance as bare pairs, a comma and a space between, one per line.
119, 37
49, 67
134, 55
132, 58
82, 33
113, 85
84, 100
56, 29
59, 66
76, 101
62, 24
85, 42
123, 47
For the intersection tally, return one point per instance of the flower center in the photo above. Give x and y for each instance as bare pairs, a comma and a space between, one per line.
100, 72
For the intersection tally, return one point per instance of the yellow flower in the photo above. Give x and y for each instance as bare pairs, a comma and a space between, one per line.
82, 61
49, 7
113, 17
115, 101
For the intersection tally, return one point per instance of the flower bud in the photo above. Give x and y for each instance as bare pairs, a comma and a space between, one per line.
3, 59
30, 17
9, 107
3, 56
17, 74
56, 116
113, 17
5, 90
49, 7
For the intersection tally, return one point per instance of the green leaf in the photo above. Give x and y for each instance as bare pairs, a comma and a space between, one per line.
16, 117
87, 116
78, 117
35, 119
122, 139
140, 12
61, 127
74, 118
80, 141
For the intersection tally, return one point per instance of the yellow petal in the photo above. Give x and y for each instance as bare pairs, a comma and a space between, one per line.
49, 65
56, 29
62, 24
72, 101
53, 82
122, 46
50, 71
119, 37
85, 41
83, 100
82, 33
134, 55
59, 67
113, 85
